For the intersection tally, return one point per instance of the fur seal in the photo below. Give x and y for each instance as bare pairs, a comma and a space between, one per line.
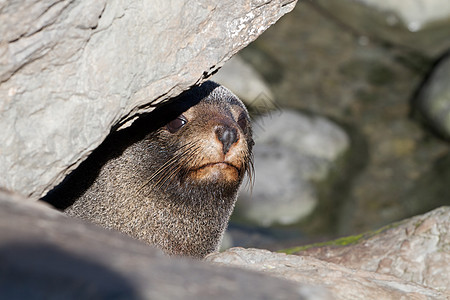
171, 178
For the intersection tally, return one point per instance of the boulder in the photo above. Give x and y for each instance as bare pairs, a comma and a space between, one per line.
342, 282
415, 250
70, 71
47, 255
408, 260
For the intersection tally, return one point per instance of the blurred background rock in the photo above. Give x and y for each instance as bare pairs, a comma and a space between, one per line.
351, 107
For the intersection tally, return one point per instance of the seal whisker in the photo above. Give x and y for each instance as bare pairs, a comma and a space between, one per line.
249, 169
168, 174
164, 168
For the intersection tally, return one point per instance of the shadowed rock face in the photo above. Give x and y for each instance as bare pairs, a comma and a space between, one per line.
45, 254
70, 71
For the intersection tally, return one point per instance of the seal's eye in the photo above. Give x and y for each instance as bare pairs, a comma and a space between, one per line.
242, 122
175, 125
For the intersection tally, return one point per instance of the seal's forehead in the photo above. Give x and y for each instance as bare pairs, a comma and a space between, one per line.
208, 93
220, 94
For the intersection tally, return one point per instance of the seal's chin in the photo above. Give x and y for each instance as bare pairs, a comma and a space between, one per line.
217, 171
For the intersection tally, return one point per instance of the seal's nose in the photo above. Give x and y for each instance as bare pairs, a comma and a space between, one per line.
227, 136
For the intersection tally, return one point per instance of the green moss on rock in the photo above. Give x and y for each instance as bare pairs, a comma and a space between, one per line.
343, 241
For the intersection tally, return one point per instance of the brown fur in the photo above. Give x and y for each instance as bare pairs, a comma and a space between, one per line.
168, 188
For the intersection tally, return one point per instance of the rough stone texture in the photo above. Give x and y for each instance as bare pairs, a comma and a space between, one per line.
434, 99
46, 255
343, 283
416, 250
407, 261
422, 25
292, 152
70, 70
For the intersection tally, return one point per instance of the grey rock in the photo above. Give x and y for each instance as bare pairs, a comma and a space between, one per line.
341, 282
433, 101
292, 151
70, 71
415, 250
47, 255
417, 24
407, 260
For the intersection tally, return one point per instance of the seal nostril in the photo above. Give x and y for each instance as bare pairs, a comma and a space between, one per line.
227, 136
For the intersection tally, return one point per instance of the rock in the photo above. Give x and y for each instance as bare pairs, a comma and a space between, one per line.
407, 260
433, 101
292, 152
418, 24
47, 255
342, 282
415, 250
69, 71
241, 78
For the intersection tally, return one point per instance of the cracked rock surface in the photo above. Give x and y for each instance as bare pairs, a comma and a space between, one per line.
409, 260
72, 70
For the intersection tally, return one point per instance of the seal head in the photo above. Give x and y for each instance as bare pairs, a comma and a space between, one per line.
171, 179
